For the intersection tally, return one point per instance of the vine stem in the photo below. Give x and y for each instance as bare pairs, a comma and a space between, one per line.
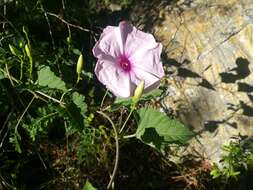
21, 117
129, 115
129, 136
102, 102
117, 149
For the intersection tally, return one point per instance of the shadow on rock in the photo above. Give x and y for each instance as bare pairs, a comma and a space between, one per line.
241, 71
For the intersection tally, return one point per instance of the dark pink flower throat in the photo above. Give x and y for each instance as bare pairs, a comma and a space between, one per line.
124, 63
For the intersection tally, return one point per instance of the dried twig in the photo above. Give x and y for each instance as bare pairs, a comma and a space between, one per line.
69, 24
48, 23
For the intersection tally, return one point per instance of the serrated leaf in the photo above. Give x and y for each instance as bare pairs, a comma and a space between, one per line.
15, 141
157, 130
78, 99
89, 186
47, 78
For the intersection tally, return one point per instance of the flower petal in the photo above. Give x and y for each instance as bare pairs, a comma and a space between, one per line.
125, 30
135, 40
149, 61
151, 81
109, 43
114, 79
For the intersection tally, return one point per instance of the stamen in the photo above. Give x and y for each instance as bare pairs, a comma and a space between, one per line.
124, 63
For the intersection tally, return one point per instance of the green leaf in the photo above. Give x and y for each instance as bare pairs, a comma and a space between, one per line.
76, 51
39, 124
75, 116
78, 99
88, 186
153, 94
47, 78
158, 130
215, 173
120, 102
14, 139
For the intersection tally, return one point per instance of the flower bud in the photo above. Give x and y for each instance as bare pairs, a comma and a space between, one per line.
68, 39
138, 92
21, 45
13, 50
28, 53
79, 67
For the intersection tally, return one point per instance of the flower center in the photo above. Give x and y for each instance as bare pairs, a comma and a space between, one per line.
124, 63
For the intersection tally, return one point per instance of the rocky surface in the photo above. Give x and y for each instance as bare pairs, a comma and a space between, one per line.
209, 54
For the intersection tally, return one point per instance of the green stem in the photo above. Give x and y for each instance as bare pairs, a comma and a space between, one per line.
21, 68
102, 102
8, 74
129, 136
51, 98
21, 117
123, 126
31, 68
117, 149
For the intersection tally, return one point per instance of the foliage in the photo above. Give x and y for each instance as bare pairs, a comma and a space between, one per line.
88, 186
47, 78
157, 130
237, 158
49, 120
51, 134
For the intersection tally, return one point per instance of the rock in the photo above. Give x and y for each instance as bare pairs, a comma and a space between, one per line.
209, 54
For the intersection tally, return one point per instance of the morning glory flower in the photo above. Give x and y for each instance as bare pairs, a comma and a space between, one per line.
126, 56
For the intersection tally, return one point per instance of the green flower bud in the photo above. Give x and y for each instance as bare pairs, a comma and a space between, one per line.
28, 53
79, 67
25, 30
21, 45
13, 50
138, 92
68, 39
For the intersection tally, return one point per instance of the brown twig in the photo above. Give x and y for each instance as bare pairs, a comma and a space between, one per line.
67, 23
48, 23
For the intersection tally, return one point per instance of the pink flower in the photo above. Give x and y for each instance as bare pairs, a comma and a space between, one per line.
126, 56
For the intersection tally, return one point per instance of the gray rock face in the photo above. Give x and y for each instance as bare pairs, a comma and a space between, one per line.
209, 51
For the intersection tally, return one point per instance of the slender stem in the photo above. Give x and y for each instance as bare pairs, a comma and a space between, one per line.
48, 24
51, 98
62, 96
117, 149
21, 68
129, 136
8, 74
63, 4
3, 126
69, 24
31, 68
123, 126
102, 102
21, 117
